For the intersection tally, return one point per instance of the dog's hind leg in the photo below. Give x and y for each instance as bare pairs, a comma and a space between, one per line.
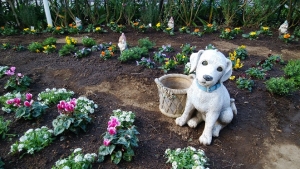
193, 122
186, 115
224, 119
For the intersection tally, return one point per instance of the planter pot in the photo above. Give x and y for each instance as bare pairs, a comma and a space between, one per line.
172, 90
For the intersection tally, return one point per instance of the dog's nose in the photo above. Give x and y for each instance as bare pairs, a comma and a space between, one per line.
207, 77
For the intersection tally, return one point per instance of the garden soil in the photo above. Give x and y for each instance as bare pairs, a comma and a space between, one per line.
264, 134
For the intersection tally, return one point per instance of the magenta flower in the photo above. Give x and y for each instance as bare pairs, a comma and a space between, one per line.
17, 101
112, 130
106, 142
10, 101
27, 103
28, 96
20, 74
73, 102
113, 122
61, 105
13, 68
69, 107
9, 72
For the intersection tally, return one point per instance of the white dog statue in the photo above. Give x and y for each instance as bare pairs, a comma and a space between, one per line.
208, 95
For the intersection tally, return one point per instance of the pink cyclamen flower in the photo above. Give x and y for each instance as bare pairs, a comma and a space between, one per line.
61, 105
10, 101
27, 103
17, 101
112, 130
113, 122
69, 107
28, 96
13, 68
9, 72
73, 102
106, 142
20, 74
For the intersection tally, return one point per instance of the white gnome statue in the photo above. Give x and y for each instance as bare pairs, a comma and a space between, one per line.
283, 28
171, 23
122, 42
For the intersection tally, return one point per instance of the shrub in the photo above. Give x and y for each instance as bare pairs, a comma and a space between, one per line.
281, 86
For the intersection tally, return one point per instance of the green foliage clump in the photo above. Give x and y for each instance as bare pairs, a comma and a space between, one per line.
145, 42
35, 47
256, 72
134, 53
66, 50
3, 127
88, 42
244, 83
292, 70
49, 41
281, 86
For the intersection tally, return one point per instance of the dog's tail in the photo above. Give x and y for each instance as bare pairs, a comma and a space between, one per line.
233, 107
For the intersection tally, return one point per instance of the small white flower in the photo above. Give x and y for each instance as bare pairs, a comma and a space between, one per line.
197, 162
44, 127
77, 150
50, 131
29, 131
30, 151
192, 148
37, 129
20, 147
66, 167
174, 164
195, 157
78, 158
47, 90
45, 136
23, 138
95, 106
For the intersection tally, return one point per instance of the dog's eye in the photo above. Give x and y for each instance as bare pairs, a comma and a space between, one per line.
204, 63
220, 69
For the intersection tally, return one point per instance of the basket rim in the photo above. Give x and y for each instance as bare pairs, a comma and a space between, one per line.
175, 91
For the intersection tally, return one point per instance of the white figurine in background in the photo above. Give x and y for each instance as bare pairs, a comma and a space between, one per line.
122, 43
171, 23
283, 28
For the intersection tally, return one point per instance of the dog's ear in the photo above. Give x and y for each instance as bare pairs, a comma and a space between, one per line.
194, 58
227, 72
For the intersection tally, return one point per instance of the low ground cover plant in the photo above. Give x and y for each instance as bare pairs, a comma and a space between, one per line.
32, 141
54, 95
245, 83
281, 86
133, 53
120, 137
292, 71
76, 160
73, 115
17, 81
146, 62
188, 158
35, 47
4, 127
88, 42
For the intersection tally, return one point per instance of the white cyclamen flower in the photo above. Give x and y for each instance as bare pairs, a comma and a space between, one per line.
23, 138
174, 165
78, 158
29, 131
77, 150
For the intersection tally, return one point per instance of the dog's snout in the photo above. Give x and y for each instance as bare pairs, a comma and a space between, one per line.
207, 77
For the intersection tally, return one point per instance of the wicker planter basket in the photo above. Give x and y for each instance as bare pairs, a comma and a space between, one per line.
172, 90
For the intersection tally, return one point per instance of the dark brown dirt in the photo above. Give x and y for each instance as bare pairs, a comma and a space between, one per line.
264, 134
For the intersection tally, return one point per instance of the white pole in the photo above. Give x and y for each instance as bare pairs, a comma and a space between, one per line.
47, 12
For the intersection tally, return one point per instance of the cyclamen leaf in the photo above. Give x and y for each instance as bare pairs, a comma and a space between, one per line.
58, 130
116, 157
123, 141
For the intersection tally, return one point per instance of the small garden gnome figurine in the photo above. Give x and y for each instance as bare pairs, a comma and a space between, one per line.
171, 23
122, 42
78, 23
283, 28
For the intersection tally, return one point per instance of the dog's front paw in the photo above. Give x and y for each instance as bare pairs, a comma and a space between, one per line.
180, 121
205, 140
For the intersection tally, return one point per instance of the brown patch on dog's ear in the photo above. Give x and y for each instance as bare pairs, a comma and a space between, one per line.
194, 58
227, 71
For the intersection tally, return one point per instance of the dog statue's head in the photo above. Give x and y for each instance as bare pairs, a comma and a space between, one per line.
211, 67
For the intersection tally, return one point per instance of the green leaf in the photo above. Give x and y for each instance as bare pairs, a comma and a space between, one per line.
123, 141
127, 156
105, 150
20, 112
100, 158
116, 157
58, 130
